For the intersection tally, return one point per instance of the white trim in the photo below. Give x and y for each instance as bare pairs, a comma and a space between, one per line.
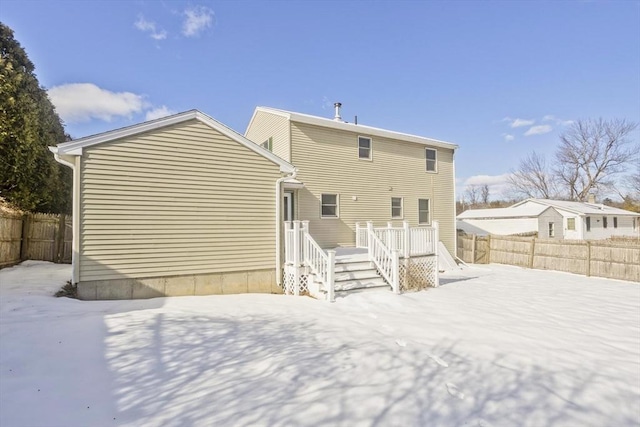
330, 123
75, 147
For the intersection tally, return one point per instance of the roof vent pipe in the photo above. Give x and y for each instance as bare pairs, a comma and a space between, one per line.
337, 106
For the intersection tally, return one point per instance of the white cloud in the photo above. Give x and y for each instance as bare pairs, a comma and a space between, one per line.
538, 130
508, 137
159, 112
150, 27
516, 123
197, 19
556, 120
498, 184
81, 102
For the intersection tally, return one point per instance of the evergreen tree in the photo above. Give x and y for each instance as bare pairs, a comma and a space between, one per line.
30, 178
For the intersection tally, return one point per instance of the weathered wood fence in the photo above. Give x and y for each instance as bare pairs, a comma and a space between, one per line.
614, 260
39, 237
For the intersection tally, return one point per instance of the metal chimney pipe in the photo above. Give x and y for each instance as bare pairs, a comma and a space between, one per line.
337, 106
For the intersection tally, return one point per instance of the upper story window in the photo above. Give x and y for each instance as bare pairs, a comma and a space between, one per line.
604, 222
571, 224
329, 206
268, 144
424, 216
431, 155
364, 148
615, 222
396, 207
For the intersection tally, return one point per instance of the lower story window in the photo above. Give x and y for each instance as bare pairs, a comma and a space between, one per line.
571, 224
329, 206
552, 229
396, 207
615, 222
588, 221
424, 215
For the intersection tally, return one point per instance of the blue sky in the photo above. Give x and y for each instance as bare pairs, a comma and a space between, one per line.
498, 78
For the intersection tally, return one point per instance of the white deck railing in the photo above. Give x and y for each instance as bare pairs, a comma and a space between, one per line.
409, 241
321, 264
385, 260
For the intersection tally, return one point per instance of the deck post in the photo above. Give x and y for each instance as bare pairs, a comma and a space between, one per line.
436, 239
395, 267
358, 234
305, 231
331, 268
369, 232
296, 257
407, 239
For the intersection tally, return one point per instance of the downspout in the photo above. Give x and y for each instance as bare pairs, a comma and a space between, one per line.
74, 214
279, 182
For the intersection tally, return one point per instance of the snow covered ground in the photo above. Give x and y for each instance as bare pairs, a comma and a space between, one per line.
493, 346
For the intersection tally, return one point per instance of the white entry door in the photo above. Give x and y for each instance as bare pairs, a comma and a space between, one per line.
288, 206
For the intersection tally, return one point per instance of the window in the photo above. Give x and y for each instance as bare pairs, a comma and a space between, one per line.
615, 222
329, 208
571, 224
552, 229
423, 211
364, 148
604, 222
430, 155
268, 144
396, 207
588, 219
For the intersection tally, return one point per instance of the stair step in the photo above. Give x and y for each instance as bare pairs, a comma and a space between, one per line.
361, 284
352, 266
346, 276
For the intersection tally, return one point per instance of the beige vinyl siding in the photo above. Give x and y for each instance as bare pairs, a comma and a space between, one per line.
328, 162
180, 200
267, 125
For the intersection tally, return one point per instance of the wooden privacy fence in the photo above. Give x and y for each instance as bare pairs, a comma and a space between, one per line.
613, 260
41, 237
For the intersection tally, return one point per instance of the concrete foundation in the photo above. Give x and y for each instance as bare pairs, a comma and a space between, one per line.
237, 282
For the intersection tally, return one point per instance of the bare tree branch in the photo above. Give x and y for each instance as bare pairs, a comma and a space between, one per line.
592, 153
533, 178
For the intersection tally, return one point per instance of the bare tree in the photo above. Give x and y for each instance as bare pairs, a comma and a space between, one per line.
592, 153
472, 195
484, 194
533, 178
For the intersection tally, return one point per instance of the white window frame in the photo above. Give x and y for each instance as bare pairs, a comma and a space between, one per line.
268, 144
569, 220
337, 205
401, 208
427, 160
428, 211
370, 148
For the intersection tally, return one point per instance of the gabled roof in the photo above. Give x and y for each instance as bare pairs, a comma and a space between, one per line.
531, 211
580, 208
75, 147
351, 127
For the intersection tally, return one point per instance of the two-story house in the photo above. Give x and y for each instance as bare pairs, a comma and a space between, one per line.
350, 173
184, 205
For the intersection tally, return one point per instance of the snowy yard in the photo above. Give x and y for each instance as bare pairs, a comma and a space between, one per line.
493, 346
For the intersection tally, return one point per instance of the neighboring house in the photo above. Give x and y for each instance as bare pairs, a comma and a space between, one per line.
184, 205
349, 173
540, 219
590, 221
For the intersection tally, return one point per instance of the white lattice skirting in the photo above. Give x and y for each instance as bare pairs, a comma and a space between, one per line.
418, 273
288, 280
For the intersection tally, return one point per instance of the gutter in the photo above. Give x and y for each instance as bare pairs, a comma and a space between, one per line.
279, 182
74, 215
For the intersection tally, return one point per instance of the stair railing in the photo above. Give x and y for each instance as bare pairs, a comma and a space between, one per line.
386, 260
321, 264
